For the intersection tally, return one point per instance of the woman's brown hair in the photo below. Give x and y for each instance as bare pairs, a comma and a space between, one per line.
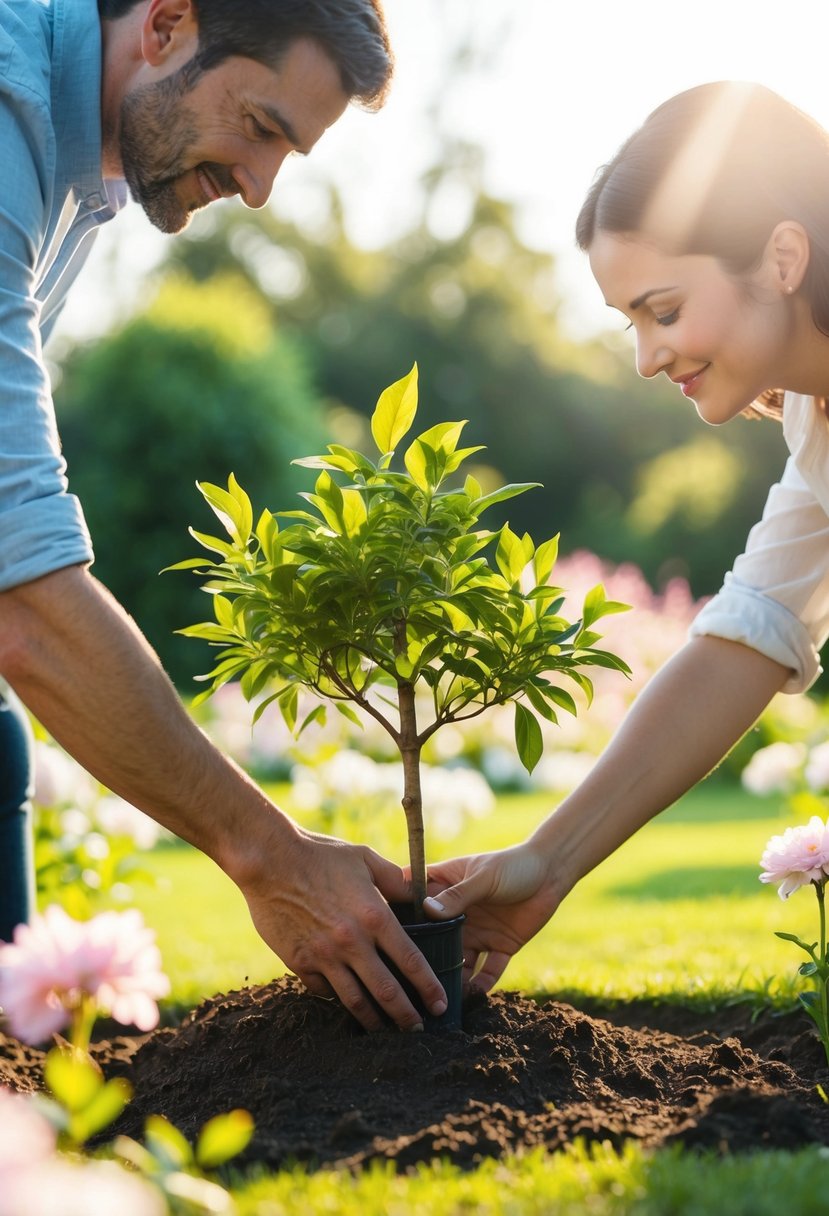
713, 171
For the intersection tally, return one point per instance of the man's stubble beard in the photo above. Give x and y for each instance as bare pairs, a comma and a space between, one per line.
157, 132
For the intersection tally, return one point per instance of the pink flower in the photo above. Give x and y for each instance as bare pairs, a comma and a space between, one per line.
56, 962
94, 1188
27, 1139
798, 857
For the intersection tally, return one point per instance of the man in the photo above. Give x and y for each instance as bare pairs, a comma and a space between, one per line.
188, 103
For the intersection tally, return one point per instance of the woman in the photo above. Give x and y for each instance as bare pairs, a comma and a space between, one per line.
709, 230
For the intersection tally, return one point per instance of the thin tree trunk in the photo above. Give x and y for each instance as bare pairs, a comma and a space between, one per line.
412, 799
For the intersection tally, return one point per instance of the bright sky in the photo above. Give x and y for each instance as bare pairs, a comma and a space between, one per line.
552, 90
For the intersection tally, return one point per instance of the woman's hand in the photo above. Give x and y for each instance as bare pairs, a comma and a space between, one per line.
507, 897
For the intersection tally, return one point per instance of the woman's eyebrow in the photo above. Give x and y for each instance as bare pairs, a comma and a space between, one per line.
640, 300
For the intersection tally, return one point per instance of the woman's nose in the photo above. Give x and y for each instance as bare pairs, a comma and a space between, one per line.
653, 355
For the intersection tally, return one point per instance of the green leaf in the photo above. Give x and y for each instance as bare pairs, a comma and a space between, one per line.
354, 512
503, 493
317, 714
243, 517
443, 437
288, 703
417, 464
536, 699
807, 969
350, 714
223, 1137
791, 937
104, 1109
527, 737
212, 542
510, 555
472, 489
394, 413
544, 559
72, 1077
231, 506
166, 1143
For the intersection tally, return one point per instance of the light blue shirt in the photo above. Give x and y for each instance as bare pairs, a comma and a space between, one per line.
52, 202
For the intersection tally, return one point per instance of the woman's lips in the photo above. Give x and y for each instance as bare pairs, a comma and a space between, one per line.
690, 384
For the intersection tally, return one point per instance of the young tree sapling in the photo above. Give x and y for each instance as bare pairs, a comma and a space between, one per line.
384, 581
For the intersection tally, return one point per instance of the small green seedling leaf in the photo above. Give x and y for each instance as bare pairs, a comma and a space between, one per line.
223, 1137
527, 737
394, 413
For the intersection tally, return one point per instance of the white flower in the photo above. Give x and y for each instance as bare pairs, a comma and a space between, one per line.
119, 818
817, 768
774, 769
95, 1188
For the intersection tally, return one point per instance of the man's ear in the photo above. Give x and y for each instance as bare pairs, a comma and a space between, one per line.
168, 26
787, 255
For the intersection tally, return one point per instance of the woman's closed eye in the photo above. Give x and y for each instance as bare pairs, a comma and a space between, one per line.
668, 318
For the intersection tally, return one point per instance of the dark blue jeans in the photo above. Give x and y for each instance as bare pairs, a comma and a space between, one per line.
17, 899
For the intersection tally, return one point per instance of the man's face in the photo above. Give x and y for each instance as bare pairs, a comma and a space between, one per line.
184, 146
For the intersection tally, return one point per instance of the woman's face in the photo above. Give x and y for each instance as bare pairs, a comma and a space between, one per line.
721, 340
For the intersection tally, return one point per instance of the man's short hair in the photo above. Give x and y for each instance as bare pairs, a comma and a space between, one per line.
351, 32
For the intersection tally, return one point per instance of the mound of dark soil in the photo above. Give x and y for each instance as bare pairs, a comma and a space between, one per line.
519, 1074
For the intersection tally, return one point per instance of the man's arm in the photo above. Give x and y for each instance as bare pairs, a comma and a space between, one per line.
83, 668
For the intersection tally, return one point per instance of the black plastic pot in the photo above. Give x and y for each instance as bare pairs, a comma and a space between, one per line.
441, 942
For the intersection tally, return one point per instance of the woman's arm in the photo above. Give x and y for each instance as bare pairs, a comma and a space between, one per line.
687, 718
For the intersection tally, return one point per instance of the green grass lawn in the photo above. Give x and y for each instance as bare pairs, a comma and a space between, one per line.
677, 913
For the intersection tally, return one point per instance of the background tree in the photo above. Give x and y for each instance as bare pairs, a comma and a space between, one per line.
197, 386
628, 469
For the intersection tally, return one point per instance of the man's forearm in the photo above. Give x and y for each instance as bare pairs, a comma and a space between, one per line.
686, 720
82, 667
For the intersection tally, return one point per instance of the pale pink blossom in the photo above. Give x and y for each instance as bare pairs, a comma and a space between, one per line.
54, 963
26, 1138
817, 768
774, 769
94, 1188
798, 857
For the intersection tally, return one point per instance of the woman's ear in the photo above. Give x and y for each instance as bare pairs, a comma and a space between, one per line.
168, 26
787, 255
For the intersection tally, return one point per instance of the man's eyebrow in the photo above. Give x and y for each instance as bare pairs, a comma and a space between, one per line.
646, 295
279, 120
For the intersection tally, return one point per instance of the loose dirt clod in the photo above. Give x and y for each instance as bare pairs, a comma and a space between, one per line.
518, 1075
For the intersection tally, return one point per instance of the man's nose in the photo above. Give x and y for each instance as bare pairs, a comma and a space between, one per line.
255, 177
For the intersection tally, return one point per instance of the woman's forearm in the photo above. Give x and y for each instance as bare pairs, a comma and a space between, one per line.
685, 721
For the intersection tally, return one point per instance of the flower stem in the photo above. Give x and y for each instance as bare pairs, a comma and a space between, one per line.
823, 972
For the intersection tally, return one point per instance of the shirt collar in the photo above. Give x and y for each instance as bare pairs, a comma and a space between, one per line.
76, 98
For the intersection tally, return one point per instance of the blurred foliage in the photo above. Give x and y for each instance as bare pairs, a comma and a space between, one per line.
199, 385
627, 471
260, 327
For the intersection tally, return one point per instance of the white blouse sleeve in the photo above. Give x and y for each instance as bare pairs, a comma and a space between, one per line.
776, 598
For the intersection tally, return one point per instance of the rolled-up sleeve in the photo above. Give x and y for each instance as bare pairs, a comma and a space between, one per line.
776, 598
41, 525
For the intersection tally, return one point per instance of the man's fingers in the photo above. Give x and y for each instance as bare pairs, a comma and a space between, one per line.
411, 963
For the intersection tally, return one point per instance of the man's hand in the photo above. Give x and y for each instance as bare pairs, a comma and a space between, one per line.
81, 666
326, 918
507, 897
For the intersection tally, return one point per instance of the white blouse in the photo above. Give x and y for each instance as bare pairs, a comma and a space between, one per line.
776, 598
